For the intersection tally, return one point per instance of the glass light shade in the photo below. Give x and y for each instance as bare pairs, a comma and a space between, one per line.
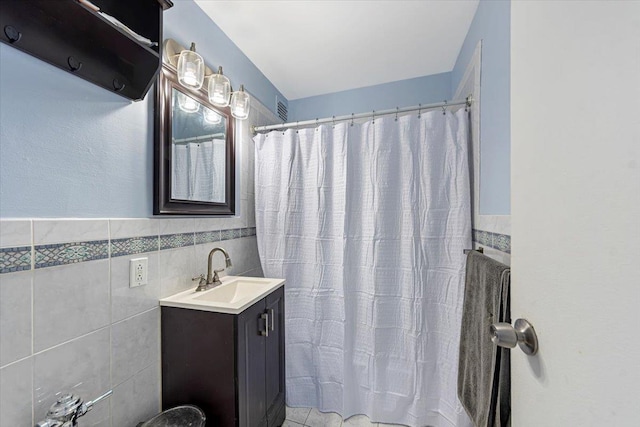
219, 89
240, 104
187, 104
211, 116
191, 68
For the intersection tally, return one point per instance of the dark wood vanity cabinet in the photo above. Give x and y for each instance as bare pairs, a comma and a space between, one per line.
231, 366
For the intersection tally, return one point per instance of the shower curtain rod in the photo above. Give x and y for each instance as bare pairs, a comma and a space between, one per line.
419, 107
198, 138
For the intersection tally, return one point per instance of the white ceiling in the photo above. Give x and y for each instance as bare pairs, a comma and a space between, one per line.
313, 47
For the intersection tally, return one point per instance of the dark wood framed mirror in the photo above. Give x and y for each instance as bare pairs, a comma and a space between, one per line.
194, 170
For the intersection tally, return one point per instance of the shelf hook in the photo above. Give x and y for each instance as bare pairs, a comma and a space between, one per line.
12, 33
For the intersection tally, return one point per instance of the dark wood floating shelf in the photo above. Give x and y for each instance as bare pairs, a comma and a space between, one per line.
76, 39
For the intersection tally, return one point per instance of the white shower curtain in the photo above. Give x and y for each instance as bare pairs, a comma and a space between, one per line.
367, 223
199, 171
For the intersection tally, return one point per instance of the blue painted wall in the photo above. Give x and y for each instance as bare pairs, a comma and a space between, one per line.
71, 149
186, 23
492, 25
403, 93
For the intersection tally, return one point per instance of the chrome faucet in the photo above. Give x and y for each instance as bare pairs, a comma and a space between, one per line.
212, 279
67, 409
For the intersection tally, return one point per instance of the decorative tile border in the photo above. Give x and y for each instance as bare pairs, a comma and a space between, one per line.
227, 234
20, 258
134, 245
171, 241
15, 259
246, 232
207, 237
501, 242
70, 253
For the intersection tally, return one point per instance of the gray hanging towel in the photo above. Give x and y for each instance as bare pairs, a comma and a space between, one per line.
484, 371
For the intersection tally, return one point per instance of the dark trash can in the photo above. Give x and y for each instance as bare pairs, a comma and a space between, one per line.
180, 416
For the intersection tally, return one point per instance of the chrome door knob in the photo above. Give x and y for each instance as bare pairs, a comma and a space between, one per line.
521, 334
504, 335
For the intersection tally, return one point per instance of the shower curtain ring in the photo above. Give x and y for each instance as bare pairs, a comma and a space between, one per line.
297, 128
352, 119
316, 124
283, 128
333, 119
373, 116
444, 108
396, 114
419, 110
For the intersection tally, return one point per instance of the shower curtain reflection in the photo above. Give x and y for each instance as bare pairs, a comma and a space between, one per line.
198, 171
367, 223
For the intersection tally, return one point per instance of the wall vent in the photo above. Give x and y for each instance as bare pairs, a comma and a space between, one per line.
281, 107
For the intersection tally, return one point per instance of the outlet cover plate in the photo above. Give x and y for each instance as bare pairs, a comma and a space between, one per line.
138, 272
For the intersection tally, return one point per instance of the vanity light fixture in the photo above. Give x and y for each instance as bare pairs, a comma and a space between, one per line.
192, 71
191, 68
240, 104
219, 89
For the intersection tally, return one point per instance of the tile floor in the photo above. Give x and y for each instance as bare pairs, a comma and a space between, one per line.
311, 417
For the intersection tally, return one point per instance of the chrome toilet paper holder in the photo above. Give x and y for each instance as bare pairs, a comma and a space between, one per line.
521, 334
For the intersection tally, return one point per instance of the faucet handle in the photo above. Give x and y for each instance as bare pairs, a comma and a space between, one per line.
216, 278
202, 284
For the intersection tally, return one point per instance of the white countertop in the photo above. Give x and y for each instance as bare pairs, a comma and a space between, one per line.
234, 295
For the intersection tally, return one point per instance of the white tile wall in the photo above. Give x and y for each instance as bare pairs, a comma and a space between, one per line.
80, 366
122, 228
134, 345
136, 399
16, 390
69, 301
126, 301
15, 316
48, 231
15, 233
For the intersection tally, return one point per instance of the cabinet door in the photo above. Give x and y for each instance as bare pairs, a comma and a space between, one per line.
275, 389
251, 367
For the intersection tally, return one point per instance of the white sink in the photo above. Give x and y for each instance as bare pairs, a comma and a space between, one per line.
235, 294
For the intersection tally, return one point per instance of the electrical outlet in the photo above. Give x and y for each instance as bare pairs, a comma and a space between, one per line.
138, 272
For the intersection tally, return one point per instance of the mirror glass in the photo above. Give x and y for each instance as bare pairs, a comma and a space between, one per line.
198, 145
194, 171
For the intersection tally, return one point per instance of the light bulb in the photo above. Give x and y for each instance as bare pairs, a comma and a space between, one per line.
187, 104
191, 68
219, 89
240, 104
211, 116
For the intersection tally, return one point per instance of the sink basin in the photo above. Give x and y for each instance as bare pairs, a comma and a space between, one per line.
232, 292
235, 294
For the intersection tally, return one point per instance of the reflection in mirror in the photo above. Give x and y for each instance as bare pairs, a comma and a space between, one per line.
194, 152
198, 144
